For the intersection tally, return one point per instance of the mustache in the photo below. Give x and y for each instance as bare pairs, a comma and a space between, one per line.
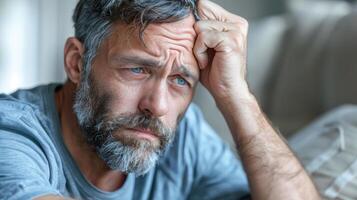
108, 125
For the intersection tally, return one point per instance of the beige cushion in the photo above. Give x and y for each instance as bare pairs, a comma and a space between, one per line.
340, 74
328, 150
305, 83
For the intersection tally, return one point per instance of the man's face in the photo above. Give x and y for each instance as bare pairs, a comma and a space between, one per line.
138, 92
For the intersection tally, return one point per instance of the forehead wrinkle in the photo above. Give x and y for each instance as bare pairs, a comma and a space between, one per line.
173, 34
162, 45
184, 44
178, 35
176, 29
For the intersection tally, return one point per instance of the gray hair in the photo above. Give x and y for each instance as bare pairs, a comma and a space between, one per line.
93, 20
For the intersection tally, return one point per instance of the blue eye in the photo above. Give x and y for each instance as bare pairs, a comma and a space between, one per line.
137, 70
181, 81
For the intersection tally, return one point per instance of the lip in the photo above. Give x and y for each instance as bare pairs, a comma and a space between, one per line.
144, 133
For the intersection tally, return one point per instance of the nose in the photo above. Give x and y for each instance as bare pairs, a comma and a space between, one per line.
154, 101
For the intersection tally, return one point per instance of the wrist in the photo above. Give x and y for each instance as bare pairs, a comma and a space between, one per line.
234, 98
243, 115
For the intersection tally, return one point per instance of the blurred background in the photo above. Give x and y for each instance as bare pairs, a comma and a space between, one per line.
301, 54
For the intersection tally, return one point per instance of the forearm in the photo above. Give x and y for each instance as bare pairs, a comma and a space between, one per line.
273, 170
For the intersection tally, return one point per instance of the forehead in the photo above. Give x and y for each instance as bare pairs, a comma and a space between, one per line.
157, 39
179, 33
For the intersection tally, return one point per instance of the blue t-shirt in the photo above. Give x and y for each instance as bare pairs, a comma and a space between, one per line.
34, 160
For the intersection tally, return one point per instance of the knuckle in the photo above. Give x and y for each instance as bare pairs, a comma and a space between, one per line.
207, 35
237, 40
201, 36
200, 26
245, 25
201, 40
244, 22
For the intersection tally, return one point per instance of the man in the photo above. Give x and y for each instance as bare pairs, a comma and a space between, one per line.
122, 126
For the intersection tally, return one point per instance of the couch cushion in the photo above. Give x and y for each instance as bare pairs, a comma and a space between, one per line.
328, 150
340, 82
295, 94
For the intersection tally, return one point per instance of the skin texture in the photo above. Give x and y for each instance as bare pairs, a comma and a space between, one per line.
168, 75
213, 49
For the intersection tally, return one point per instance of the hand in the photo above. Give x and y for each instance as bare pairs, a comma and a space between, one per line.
220, 50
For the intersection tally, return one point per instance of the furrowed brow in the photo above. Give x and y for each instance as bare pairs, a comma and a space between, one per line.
128, 59
188, 73
137, 60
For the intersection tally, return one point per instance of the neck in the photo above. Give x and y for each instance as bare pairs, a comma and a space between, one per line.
90, 164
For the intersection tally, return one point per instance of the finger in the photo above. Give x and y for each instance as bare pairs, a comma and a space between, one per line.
243, 25
207, 25
219, 41
200, 51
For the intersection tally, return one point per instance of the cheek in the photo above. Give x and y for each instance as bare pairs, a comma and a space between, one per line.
124, 99
178, 106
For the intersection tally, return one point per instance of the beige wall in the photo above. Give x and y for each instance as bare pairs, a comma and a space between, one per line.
32, 36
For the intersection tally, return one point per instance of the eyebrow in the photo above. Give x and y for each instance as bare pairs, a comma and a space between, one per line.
128, 59
187, 73
137, 60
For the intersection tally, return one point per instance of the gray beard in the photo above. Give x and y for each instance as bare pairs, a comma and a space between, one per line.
128, 155
128, 159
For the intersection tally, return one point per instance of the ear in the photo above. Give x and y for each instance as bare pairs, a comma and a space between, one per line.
73, 59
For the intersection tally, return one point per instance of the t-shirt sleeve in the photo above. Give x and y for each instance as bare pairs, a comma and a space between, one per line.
24, 170
219, 173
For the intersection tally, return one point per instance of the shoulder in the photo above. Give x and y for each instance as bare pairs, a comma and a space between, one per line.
29, 162
183, 159
24, 124
191, 137
195, 141
194, 122
24, 127
197, 131
193, 113
208, 160
17, 115
25, 108
22, 103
